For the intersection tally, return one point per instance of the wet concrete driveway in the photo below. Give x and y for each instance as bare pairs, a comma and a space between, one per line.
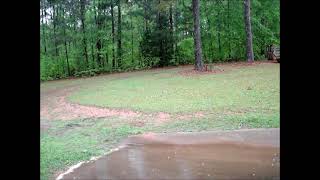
242, 154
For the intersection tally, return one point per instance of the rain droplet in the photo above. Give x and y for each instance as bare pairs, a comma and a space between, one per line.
168, 157
208, 174
272, 164
202, 164
253, 174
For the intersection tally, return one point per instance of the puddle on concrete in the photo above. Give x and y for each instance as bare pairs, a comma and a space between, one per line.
190, 156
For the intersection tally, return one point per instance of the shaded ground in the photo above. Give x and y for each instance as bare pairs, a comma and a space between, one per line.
244, 154
75, 126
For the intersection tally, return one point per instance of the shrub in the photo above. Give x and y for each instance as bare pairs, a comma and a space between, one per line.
185, 51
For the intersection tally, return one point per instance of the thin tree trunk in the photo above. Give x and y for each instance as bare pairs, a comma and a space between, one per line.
119, 34
103, 60
107, 58
65, 42
93, 42
185, 33
54, 29
59, 10
98, 46
219, 31
98, 42
176, 37
210, 54
145, 15
229, 43
171, 27
197, 35
92, 51
113, 37
105, 27
161, 50
132, 60
82, 12
249, 48
43, 29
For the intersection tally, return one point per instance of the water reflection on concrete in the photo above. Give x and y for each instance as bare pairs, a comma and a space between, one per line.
246, 154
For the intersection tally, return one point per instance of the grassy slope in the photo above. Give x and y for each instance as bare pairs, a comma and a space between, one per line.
225, 98
171, 93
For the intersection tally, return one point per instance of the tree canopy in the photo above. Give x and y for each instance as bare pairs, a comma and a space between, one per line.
85, 37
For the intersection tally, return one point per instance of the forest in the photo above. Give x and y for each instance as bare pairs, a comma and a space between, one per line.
88, 37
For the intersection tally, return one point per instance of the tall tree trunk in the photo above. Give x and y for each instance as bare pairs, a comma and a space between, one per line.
93, 40
103, 60
92, 51
210, 54
98, 42
98, 46
65, 42
197, 35
84, 41
219, 30
171, 28
59, 10
161, 50
229, 42
249, 48
185, 29
43, 29
54, 18
132, 60
145, 15
105, 27
113, 36
176, 37
107, 58
119, 35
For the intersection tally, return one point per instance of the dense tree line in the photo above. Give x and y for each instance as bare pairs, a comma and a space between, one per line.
86, 37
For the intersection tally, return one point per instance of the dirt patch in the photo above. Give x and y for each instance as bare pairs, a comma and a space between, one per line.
162, 117
223, 67
137, 123
242, 63
199, 114
55, 106
68, 110
192, 72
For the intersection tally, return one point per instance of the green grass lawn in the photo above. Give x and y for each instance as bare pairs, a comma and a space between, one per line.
254, 88
246, 97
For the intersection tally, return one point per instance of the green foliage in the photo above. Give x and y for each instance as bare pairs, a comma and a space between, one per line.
51, 68
148, 40
185, 51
